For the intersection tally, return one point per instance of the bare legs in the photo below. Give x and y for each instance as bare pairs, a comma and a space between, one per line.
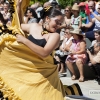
80, 68
70, 67
62, 70
60, 65
58, 60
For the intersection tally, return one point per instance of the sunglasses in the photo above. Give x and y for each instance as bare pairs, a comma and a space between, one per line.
66, 10
99, 8
57, 21
66, 33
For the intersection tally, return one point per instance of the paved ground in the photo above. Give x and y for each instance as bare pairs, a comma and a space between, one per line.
90, 88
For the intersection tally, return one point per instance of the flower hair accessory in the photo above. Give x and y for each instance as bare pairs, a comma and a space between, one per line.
47, 8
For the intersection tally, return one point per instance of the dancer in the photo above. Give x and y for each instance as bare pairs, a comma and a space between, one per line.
29, 73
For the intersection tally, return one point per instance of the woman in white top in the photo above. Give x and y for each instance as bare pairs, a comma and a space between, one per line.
76, 19
61, 54
67, 17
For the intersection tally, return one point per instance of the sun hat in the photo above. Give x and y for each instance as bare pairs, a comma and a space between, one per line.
76, 31
81, 4
75, 7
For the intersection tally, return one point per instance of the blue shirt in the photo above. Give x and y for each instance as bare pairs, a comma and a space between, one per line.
87, 21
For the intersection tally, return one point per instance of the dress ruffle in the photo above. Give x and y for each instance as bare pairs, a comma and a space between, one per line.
7, 93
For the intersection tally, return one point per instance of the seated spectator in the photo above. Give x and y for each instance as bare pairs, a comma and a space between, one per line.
82, 12
67, 17
97, 37
35, 5
61, 54
5, 12
77, 49
96, 21
76, 19
31, 16
46, 4
91, 5
87, 1
2, 2
95, 60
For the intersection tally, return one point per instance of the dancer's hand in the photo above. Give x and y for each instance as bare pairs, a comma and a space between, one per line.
20, 38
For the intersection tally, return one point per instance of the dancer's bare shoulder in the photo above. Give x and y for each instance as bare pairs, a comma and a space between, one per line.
27, 27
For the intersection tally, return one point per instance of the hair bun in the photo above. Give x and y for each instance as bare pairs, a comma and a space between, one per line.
44, 10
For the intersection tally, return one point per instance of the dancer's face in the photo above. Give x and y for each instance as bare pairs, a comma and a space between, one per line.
54, 23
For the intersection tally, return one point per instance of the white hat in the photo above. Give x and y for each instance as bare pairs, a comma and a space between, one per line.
76, 31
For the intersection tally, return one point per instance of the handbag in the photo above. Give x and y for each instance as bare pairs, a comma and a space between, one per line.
61, 53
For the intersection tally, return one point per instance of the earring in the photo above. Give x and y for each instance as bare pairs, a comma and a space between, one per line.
44, 28
45, 24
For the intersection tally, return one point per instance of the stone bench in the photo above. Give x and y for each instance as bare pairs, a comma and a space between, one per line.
88, 74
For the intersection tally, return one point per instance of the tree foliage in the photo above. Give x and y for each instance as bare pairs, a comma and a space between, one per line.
34, 1
63, 3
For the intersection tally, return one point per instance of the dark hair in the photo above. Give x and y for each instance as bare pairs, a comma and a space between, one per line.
33, 12
91, 49
80, 37
50, 12
58, 7
2, 19
70, 8
98, 32
3, 0
6, 3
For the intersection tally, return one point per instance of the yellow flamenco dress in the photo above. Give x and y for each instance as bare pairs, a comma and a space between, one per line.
23, 74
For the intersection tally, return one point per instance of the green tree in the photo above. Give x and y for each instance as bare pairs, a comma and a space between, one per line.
63, 3
41, 1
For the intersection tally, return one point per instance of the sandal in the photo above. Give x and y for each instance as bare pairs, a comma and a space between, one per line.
81, 79
73, 77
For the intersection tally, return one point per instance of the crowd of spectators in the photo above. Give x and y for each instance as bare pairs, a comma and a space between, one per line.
81, 20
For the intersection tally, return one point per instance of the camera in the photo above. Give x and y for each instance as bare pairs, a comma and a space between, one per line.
91, 49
